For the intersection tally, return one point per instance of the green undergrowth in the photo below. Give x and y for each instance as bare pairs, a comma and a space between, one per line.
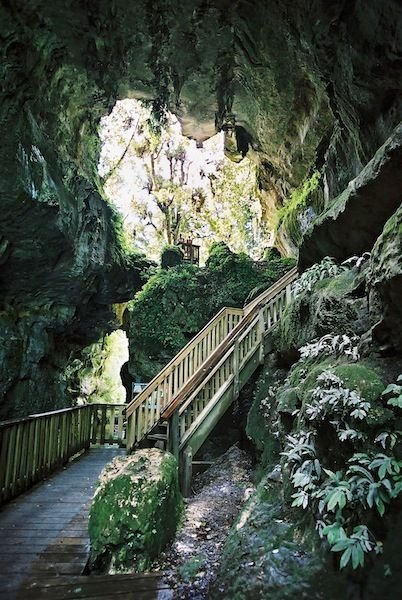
177, 302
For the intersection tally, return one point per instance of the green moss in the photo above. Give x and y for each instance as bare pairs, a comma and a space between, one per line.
171, 257
176, 303
283, 560
312, 314
307, 195
357, 376
135, 511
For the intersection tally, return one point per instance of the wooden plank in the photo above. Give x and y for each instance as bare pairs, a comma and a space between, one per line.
44, 532
176, 361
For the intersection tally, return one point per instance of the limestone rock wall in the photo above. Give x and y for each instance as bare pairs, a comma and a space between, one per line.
302, 83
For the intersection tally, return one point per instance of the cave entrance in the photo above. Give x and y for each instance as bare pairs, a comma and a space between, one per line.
170, 188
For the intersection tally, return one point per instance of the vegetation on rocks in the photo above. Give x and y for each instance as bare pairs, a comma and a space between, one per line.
135, 511
176, 303
304, 204
328, 436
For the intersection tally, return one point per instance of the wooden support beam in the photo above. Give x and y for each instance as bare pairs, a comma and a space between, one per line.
174, 434
186, 470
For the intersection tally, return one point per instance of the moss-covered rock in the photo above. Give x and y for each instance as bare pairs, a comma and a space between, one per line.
385, 284
171, 257
329, 307
135, 511
368, 202
267, 555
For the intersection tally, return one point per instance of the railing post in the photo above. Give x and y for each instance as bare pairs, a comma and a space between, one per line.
236, 366
174, 434
261, 335
288, 293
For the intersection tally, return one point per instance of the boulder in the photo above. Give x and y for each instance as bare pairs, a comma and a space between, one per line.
135, 511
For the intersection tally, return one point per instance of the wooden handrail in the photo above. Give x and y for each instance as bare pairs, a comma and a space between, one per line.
250, 311
34, 446
270, 292
178, 358
169, 390
207, 367
195, 416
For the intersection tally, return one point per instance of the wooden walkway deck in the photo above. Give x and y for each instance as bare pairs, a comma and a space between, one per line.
44, 543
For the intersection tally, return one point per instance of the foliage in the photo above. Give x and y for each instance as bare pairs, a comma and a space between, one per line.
325, 269
342, 499
171, 257
168, 189
94, 376
335, 345
176, 303
393, 393
303, 204
357, 261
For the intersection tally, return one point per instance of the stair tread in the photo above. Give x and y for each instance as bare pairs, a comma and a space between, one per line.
157, 436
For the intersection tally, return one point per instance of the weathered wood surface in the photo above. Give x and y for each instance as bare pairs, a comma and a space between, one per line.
149, 586
33, 447
193, 364
145, 410
43, 533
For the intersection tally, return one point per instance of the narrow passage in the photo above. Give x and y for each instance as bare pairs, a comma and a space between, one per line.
191, 563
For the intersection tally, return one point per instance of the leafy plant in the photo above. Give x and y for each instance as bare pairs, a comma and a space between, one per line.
354, 547
342, 499
322, 270
330, 344
393, 393
356, 261
330, 397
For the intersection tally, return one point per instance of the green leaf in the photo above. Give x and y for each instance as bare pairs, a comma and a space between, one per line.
392, 387
345, 557
357, 556
341, 544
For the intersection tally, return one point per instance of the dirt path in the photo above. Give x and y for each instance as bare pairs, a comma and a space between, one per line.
192, 561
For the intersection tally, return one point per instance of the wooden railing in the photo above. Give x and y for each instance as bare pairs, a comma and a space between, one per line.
34, 446
200, 384
145, 410
226, 366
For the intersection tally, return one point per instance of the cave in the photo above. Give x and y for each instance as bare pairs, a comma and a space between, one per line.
308, 91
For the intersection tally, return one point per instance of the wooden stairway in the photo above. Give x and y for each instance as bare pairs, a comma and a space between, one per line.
184, 402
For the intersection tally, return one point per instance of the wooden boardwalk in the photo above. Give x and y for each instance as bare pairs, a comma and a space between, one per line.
44, 543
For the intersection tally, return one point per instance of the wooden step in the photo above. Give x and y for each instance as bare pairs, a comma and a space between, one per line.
157, 436
147, 586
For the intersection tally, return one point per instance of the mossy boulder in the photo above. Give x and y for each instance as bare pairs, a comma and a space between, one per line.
267, 555
329, 307
135, 511
171, 257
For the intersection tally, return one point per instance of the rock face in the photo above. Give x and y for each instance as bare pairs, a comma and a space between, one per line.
304, 84
385, 284
268, 556
355, 219
135, 511
313, 428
